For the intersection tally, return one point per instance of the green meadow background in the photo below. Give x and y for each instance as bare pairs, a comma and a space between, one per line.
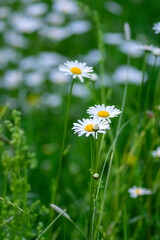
133, 164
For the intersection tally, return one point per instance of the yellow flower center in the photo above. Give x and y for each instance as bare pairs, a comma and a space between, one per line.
137, 191
76, 70
103, 114
89, 128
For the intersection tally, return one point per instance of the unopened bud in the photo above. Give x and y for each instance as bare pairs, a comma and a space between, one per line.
127, 31
94, 77
95, 127
95, 175
156, 52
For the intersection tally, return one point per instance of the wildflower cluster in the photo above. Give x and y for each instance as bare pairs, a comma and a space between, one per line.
98, 122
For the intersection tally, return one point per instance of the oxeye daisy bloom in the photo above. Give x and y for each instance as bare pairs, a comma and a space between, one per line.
103, 112
90, 127
156, 27
76, 69
138, 191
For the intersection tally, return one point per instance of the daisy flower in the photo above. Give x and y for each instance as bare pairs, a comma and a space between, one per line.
138, 191
76, 69
156, 27
90, 127
103, 112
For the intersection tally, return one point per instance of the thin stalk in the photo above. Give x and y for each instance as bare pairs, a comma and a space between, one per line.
101, 48
46, 229
125, 223
63, 140
142, 83
149, 85
5, 184
111, 159
91, 187
105, 162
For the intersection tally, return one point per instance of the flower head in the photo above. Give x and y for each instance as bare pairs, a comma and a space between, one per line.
156, 27
76, 69
103, 112
90, 127
138, 191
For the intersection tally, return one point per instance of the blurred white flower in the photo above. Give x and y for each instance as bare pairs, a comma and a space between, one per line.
55, 33
156, 27
12, 78
146, 48
92, 57
151, 60
25, 24
133, 75
51, 100
80, 91
131, 48
156, 51
86, 126
103, 112
47, 60
4, 12
156, 153
114, 7
138, 191
7, 55
2, 26
76, 69
78, 27
34, 79
29, 63
55, 18
66, 7
36, 9
58, 77
15, 39
113, 38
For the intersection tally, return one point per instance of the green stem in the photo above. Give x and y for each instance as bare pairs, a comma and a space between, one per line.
116, 137
150, 85
125, 223
63, 140
140, 97
91, 189
46, 229
101, 48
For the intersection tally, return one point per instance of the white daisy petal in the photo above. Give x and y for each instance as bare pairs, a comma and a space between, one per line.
91, 127
76, 69
103, 112
138, 191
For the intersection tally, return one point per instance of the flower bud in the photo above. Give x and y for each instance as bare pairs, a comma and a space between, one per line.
95, 127
94, 77
95, 175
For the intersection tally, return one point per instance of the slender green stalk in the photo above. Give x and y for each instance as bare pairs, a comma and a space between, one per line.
142, 83
125, 223
46, 229
116, 137
63, 141
91, 187
105, 162
150, 85
101, 48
